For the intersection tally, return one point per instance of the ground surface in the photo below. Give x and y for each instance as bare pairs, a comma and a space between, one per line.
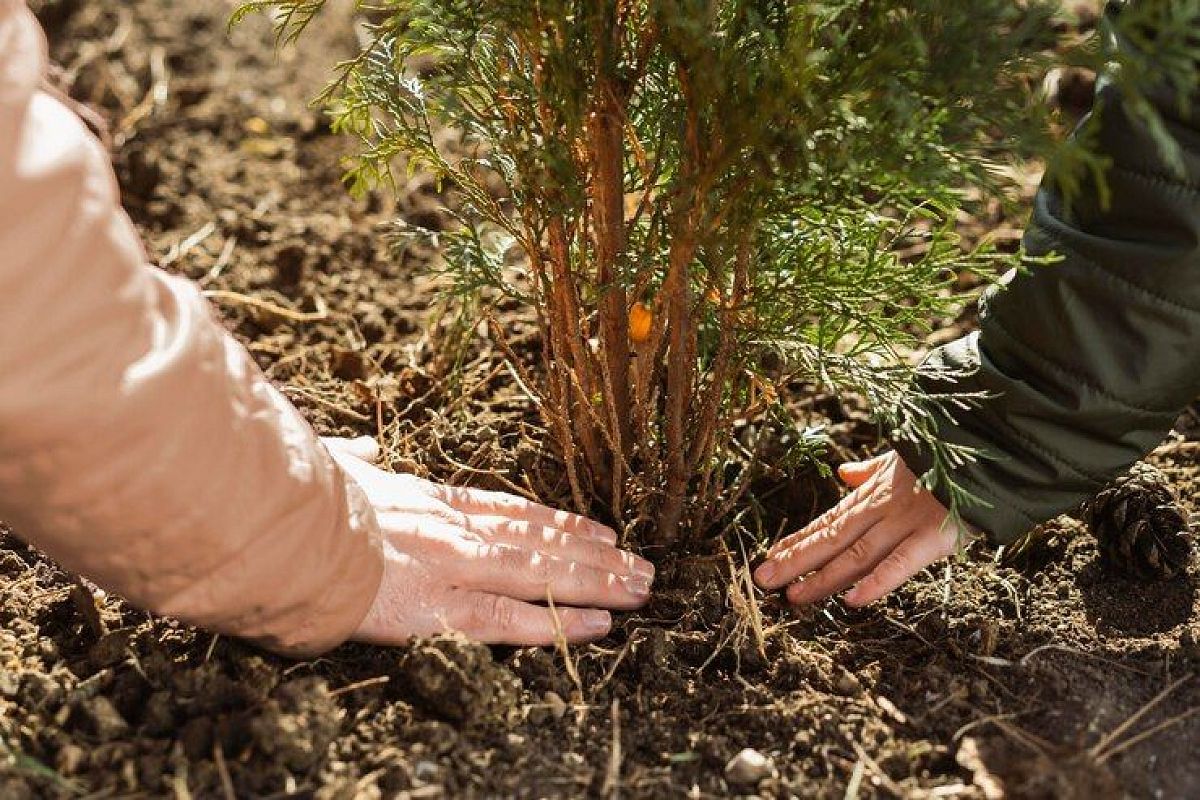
985, 682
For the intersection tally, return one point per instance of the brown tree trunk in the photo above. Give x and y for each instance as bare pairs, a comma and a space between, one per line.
606, 146
680, 370
608, 223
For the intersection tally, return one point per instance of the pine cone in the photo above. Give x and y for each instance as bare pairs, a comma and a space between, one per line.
1139, 525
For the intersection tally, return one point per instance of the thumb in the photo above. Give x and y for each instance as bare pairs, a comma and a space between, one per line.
856, 473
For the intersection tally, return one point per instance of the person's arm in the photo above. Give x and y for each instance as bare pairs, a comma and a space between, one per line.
1087, 361
1085, 364
139, 444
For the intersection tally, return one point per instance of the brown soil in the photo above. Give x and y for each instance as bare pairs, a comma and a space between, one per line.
973, 682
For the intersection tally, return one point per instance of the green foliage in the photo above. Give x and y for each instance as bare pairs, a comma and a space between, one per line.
789, 174
1147, 49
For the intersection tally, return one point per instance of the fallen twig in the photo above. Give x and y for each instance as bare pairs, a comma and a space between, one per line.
223, 772
612, 781
286, 313
376, 681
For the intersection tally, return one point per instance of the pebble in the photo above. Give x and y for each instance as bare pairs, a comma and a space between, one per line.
70, 758
556, 705
847, 684
103, 718
748, 767
426, 771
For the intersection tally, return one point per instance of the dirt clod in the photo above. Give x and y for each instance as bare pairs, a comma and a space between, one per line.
458, 679
100, 718
298, 723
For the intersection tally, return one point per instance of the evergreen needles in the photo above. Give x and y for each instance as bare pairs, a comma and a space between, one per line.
708, 199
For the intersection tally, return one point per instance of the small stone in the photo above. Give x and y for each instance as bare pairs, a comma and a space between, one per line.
426, 771
748, 767
556, 705
69, 759
101, 718
847, 684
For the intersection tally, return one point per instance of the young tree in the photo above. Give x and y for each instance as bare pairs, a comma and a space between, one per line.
708, 198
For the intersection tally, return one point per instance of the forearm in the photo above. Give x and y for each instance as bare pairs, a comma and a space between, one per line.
139, 444
1087, 361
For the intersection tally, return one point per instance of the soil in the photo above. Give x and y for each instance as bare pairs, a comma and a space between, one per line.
977, 681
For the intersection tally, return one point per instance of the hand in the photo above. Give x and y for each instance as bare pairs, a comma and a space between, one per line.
880, 535
476, 562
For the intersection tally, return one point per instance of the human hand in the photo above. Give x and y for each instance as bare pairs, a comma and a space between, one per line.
475, 561
880, 535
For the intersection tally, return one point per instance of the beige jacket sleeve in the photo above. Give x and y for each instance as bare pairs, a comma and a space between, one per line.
139, 444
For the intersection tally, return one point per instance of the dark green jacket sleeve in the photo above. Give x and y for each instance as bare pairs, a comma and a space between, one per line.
1087, 361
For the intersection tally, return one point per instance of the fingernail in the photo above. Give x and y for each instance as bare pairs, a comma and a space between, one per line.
603, 532
596, 621
643, 567
637, 585
766, 573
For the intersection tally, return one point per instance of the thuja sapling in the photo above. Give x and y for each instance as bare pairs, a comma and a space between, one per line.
710, 199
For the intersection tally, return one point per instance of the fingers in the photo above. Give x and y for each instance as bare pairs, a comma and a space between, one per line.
857, 560
459, 557
912, 555
821, 541
526, 574
856, 473
880, 535
413, 600
482, 502
553, 541
362, 447
497, 619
